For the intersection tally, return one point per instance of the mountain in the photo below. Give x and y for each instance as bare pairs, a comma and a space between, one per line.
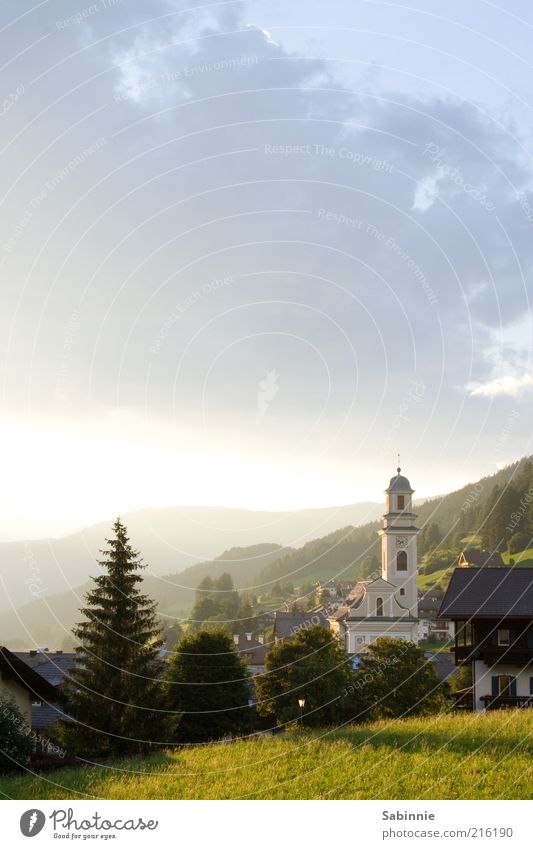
347, 553
47, 621
170, 540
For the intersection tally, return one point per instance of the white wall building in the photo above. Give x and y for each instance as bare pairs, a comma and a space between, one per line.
386, 606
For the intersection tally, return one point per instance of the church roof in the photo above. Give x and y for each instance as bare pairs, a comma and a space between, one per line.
399, 483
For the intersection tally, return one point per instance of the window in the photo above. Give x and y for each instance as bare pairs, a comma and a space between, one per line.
401, 561
504, 637
401, 502
531, 686
503, 685
379, 607
402, 591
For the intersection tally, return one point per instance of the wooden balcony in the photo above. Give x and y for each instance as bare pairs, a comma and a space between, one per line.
491, 655
506, 702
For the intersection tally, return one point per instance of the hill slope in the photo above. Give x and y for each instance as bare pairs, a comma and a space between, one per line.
440, 757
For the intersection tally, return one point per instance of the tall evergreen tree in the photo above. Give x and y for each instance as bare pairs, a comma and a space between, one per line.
115, 693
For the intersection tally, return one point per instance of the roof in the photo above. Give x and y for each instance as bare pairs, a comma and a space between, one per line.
250, 650
497, 592
287, 625
399, 483
12, 667
53, 666
475, 557
44, 716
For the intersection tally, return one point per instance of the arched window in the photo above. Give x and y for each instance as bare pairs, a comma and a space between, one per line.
401, 561
379, 607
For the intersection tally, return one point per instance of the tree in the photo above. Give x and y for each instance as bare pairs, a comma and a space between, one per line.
438, 559
114, 693
430, 538
16, 744
312, 666
461, 679
207, 686
395, 679
519, 541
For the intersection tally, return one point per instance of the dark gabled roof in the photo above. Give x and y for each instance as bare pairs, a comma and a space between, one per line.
475, 557
53, 666
250, 650
12, 667
489, 592
287, 625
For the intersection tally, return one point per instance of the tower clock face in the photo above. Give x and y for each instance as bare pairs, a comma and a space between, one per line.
401, 542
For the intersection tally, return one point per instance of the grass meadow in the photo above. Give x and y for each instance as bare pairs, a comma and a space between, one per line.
443, 757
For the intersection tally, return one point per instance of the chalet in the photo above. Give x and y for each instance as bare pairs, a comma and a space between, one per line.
474, 557
492, 611
23, 685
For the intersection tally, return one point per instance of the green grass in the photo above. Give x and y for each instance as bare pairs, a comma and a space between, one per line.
444, 757
522, 558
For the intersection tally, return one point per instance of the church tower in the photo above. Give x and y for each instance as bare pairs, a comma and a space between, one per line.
399, 560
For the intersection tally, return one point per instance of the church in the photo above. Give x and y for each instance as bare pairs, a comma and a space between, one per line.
386, 605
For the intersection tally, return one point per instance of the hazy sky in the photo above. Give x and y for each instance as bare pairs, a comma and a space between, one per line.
250, 250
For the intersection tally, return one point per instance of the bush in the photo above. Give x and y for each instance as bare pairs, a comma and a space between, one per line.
16, 744
519, 542
396, 679
207, 688
313, 667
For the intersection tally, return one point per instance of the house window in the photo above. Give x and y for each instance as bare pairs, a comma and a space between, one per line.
401, 561
379, 607
503, 685
504, 637
531, 686
401, 502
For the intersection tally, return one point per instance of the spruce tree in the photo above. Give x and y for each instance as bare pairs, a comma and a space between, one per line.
115, 694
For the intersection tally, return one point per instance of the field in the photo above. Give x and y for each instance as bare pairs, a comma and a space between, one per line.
444, 757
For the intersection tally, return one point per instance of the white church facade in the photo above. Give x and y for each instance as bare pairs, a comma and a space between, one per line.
386, 605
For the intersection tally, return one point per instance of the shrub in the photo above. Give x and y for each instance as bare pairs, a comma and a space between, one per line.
16, 744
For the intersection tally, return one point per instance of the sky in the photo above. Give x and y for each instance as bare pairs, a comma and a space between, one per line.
252, 250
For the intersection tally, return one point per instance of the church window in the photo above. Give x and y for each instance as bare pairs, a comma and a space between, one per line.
401, 502
402, 591
379, 607
401, 561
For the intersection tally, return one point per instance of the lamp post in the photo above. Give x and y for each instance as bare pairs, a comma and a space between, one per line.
301, 703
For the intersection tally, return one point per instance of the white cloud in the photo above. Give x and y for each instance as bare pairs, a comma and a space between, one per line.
425, 193
507, 385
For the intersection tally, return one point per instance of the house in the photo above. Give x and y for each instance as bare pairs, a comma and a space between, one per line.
53, 667
474, 557
24, 685
288, 623
429, 625
386, 606
252, 651
492, 612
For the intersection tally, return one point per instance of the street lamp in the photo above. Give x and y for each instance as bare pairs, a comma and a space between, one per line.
301, 702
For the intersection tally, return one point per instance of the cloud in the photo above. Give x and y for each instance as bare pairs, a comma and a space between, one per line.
507, 385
